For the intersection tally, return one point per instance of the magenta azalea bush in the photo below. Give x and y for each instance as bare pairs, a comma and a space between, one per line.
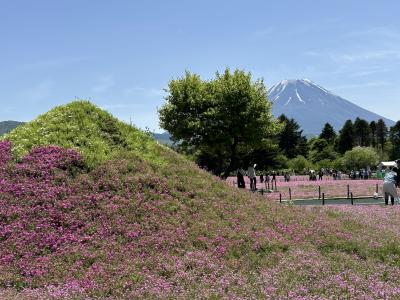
5, 153
131, 229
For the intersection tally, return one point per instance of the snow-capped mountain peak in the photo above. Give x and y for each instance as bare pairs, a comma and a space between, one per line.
296, 90
312, 106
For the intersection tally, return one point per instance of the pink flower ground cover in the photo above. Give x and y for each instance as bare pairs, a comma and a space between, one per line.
305, 189
331, 189
132, 229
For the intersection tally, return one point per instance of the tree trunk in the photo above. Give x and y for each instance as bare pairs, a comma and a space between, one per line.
232, 163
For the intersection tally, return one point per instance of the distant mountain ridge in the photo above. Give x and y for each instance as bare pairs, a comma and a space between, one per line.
312, 106
163, 138
7, 126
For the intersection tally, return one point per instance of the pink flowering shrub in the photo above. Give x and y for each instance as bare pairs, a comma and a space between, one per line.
133, 229
43, 161
5, 153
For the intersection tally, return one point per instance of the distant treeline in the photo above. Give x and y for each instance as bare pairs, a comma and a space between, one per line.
358, 144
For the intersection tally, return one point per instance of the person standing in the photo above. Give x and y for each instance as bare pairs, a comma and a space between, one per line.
398, 172
240, 178
267, 178
389, 186
273, 176
251, 172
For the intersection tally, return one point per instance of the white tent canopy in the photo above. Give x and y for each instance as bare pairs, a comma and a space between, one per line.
387, 164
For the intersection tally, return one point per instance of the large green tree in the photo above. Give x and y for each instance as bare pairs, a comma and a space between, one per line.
223, 118
345, 139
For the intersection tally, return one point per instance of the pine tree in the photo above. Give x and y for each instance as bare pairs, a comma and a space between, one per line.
394, 137
290, 140
381, 133
362, 133
373, 127
328, 133
345, 140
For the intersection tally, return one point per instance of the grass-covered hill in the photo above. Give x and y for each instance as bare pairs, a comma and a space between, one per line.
118, 216
80, 125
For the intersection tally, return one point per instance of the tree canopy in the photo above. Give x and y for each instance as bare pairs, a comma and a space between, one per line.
321, 150
222, 118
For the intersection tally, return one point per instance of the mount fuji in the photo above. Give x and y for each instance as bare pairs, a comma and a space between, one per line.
312, 106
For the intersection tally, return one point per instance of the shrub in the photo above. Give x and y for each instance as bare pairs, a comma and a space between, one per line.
299, 164
360, 157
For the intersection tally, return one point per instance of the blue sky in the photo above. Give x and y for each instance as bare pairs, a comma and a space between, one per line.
121, 54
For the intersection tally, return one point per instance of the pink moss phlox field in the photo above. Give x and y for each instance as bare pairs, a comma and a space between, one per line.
302, 188
131, 230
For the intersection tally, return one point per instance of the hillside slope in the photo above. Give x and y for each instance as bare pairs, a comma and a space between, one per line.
312, 106
144, 222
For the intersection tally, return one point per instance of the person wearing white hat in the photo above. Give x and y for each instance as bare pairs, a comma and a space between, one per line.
389, 186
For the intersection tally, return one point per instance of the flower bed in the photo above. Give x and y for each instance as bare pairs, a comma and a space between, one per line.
129, 229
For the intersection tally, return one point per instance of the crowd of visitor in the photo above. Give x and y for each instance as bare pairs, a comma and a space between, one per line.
391, 179
266, 178
360, 174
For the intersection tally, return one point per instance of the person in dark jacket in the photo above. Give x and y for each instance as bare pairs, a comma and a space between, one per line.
240, 178
320, 174
398, 173
273, 175
251, 172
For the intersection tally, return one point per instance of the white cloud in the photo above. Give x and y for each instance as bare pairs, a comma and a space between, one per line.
370, 55
39, 91
262, 32
363, 85
118, 106
312, 53
103, 85
369, 71
51, 63
141, 91
381, 32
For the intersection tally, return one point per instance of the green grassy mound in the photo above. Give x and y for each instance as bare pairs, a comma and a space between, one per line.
81, 125
144, 222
